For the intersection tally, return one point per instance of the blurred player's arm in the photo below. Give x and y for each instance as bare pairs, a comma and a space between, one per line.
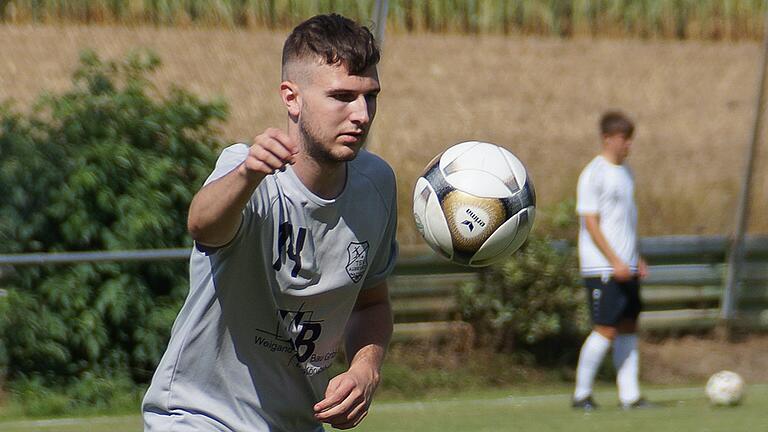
369, 330
216, 210
642, 268
621, 271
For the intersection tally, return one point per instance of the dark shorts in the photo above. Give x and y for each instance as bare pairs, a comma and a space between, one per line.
611, 302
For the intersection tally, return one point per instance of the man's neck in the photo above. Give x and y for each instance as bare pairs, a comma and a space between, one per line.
325, 180
612, 158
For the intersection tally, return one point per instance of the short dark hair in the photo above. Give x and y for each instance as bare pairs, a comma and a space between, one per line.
335, 40
616, 122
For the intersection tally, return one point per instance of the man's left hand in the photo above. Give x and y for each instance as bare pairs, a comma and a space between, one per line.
347, 398
642, 268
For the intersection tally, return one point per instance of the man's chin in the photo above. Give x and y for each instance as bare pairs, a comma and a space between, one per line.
349, 152
348, 155
339, 156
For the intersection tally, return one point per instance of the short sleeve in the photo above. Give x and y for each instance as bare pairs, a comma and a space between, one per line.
386, 256
229, 159
588, 193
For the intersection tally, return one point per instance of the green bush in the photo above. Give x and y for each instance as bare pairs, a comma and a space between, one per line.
559, 220
531, 302
111, 164
34, 397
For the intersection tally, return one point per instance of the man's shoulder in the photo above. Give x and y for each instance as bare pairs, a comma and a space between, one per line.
377, 173
588, 169
596, 162
596, 169
374, 167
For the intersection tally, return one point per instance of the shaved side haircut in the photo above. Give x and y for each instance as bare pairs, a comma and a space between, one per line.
333, 40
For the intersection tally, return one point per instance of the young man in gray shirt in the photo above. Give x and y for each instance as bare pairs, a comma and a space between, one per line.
294, 239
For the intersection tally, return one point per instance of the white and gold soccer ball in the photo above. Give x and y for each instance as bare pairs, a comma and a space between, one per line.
725, 388
474, 203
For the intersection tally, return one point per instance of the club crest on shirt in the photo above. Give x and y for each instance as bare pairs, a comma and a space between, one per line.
358, 260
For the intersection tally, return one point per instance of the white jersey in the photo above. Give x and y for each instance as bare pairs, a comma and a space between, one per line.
265, 315
607, 190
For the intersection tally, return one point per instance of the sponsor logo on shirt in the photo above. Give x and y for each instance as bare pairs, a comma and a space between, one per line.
296, 332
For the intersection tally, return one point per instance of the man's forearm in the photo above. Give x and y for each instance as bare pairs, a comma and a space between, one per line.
216, 210
368, 335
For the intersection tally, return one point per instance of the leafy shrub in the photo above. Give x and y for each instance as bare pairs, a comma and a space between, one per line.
89, 394
111, 164
532, 301
559, 220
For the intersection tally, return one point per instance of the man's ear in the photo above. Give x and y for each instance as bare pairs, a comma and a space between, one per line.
610, 138
289, 93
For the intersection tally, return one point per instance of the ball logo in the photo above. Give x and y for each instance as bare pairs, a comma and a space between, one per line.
472, 221
469, 225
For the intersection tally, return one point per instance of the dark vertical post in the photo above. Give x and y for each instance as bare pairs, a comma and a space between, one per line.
380, 20
736, 252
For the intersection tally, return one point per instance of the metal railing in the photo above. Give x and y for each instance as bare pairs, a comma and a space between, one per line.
684, 289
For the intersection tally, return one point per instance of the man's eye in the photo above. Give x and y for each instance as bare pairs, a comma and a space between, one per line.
344, 97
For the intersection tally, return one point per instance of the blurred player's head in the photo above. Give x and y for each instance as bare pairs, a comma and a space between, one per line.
616, 130
330, 83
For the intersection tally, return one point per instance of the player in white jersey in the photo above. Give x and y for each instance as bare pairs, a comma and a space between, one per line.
294, 239
610, 264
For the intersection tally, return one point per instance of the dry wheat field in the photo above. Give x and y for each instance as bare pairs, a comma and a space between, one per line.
539, 97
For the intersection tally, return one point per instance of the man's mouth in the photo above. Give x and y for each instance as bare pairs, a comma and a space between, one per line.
352, 136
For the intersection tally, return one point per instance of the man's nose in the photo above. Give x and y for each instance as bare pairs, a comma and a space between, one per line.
360, 111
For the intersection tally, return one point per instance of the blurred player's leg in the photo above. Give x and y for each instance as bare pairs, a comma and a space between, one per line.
626, 361
592, 353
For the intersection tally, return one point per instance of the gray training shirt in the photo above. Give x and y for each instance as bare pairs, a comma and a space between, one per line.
265, 314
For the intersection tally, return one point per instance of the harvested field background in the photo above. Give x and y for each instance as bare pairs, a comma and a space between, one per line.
539, 97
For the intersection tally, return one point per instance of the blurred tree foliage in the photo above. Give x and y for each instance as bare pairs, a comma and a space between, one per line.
559, 221
532, 302
111, 164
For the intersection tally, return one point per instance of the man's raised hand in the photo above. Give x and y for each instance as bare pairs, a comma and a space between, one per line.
271, 151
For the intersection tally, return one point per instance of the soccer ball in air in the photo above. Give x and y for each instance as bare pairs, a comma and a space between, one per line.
474, 203
725, 388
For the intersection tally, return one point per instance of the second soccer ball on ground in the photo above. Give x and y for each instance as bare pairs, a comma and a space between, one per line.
725, 388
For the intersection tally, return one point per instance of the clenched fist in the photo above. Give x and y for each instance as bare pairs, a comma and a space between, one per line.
271, 151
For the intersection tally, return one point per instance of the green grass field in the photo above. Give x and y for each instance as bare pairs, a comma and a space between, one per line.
681, 409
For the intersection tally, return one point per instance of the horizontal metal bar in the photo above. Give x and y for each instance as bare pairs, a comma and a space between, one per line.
425, 305
687, 319
665, 295
429, 263
399, 290
663, 246
688, 274
686, 246
459, 331
96, 256
683, 245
